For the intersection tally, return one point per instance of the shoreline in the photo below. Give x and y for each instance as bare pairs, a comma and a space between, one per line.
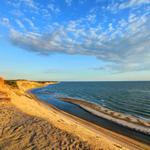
116, 117
97, 127
19, 130
97, 137
119, 139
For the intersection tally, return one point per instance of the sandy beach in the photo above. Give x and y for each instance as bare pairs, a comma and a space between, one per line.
27, 123
21, 131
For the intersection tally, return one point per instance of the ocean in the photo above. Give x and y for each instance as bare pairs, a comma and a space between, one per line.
131, 98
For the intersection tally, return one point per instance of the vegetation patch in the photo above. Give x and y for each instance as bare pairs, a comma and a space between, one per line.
11, 83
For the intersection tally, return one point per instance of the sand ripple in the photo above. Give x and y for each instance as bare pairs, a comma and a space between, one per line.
21, 131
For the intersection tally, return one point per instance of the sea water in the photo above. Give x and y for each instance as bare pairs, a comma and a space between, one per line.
132, 98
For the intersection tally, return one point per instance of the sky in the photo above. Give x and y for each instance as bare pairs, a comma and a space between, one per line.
75, 40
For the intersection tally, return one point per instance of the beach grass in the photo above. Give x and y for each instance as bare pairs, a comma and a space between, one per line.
12, 83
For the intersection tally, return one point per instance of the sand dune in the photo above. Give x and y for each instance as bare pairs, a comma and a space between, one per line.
21, 131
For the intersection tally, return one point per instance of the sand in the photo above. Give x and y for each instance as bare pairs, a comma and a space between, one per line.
27, 123
20, 131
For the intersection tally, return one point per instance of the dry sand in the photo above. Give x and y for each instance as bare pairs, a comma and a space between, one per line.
26, 123
21, 131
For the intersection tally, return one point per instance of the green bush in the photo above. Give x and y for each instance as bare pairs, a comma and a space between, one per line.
12, 83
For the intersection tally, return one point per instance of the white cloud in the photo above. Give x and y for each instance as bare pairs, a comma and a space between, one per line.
17, 3
68, 2
53, 8
91, 17
17, 13
82, 1
31, 24
30, 3
20, 24
5, 21
133, 3
125, 46
114, 7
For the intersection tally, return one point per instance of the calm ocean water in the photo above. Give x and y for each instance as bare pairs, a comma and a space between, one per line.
131, 98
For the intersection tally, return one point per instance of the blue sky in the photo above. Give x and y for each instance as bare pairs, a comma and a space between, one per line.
75, 39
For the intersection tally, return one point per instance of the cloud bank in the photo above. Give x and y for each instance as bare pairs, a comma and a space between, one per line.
126, 46
123, 45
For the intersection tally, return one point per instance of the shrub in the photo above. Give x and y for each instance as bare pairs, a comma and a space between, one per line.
12, 83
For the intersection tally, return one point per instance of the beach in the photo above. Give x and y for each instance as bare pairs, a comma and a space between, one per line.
21, 131
29, 123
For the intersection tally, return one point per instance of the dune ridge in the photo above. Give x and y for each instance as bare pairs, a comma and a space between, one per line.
19, 130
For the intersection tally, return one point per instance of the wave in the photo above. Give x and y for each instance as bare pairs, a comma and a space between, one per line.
135, 123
